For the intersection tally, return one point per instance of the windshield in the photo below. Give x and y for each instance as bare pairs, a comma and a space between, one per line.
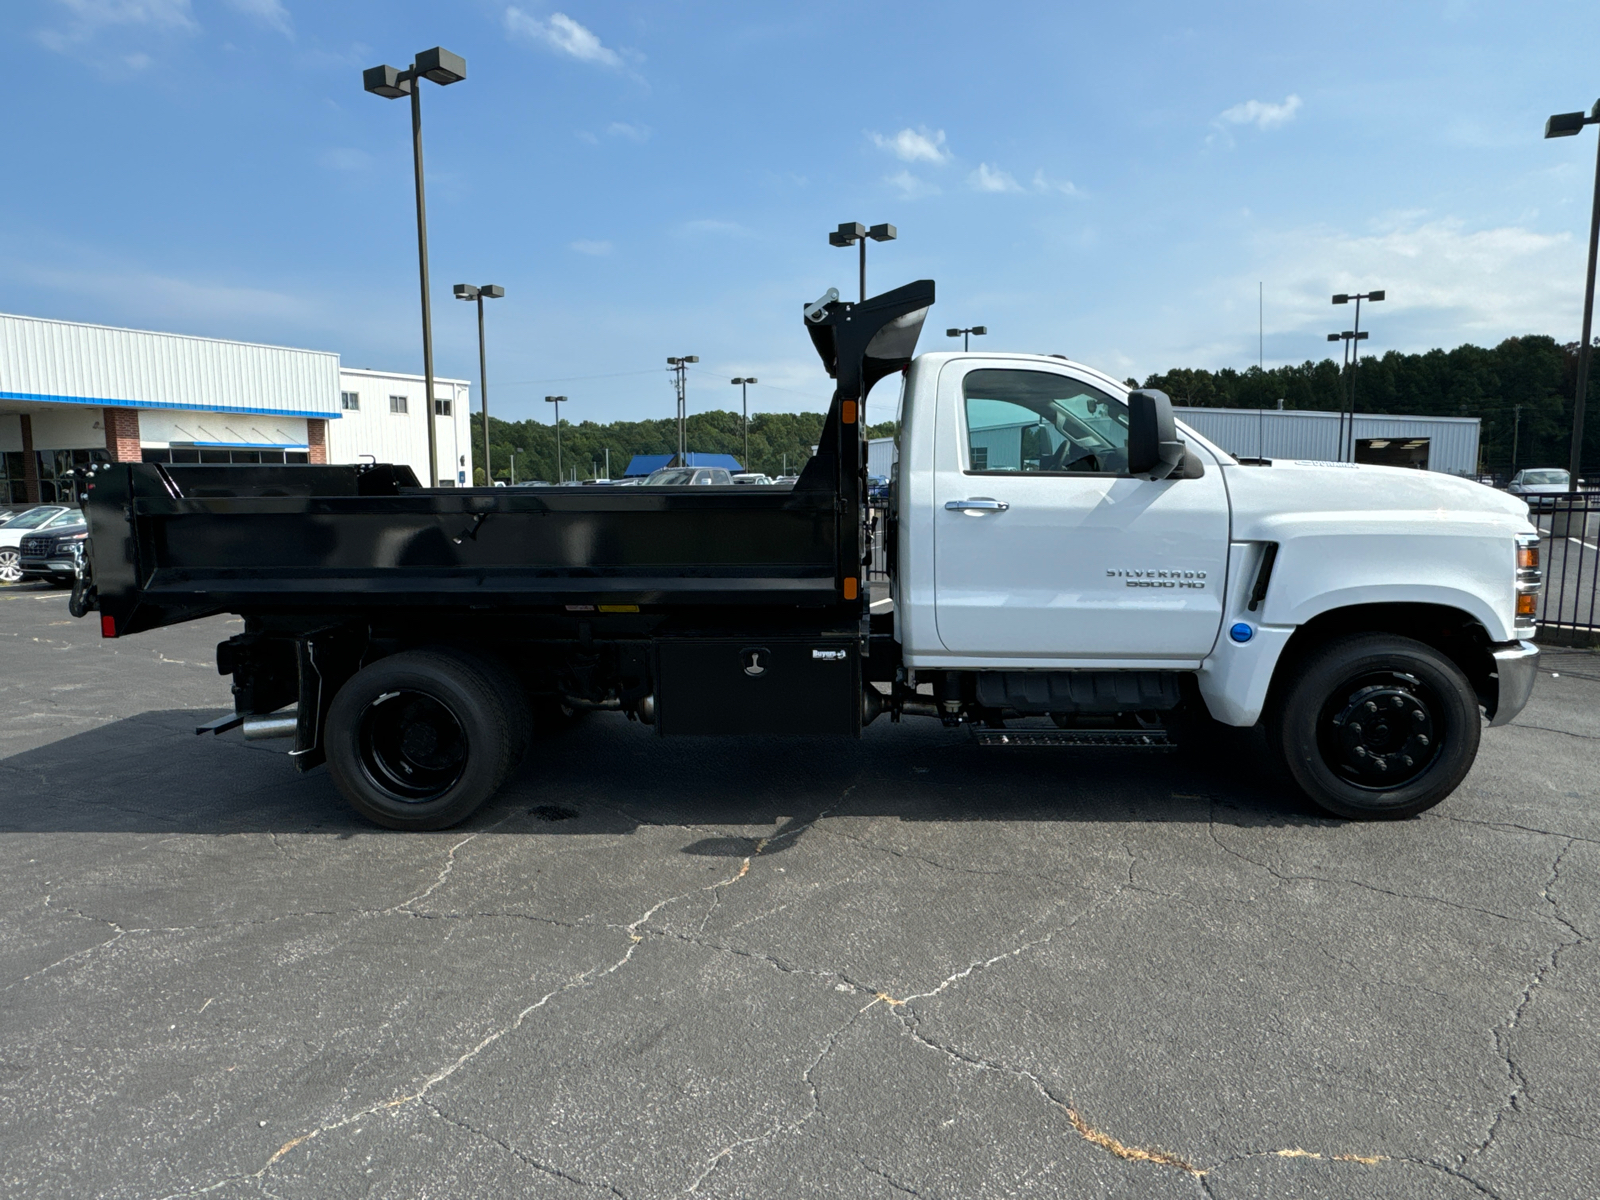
35, 517
70, 517
1556, 477
672, 475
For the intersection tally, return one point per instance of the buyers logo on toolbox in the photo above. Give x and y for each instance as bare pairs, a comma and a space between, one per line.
1159, 578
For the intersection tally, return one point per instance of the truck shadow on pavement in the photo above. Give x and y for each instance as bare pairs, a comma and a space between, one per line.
605, 775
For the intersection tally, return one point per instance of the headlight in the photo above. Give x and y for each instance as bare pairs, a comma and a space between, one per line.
1530, 579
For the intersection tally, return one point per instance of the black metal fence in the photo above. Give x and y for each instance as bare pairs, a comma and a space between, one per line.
878, 564
1569, 611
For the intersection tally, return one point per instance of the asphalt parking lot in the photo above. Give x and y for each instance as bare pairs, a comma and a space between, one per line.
904, 967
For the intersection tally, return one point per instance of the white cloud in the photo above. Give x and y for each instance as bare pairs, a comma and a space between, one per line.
911, 187
1065, 186
563, 35
992, 179
1261, 114
718, 228
269, 12
914, 145
596, 249
1447, 283
634, 133
87, 19
340, 158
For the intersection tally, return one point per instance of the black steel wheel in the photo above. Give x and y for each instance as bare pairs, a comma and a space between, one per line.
420, 739
1377, 726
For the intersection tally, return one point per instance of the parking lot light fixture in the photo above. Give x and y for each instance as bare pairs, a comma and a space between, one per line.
558, 401
442, 67
1355, 336
743, 384
1568, 125
852, 233
489, 291
966, 335
679, 368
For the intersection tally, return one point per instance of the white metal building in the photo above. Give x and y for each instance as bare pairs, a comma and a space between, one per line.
380, 415
1448, 444
74, 393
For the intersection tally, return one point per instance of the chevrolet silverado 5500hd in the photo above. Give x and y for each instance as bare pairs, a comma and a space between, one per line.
1059, 547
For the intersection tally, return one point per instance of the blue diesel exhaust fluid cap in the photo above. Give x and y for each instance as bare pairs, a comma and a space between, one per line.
1242, 632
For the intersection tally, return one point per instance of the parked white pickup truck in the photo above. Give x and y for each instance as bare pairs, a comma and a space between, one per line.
1366, 612
1068, 567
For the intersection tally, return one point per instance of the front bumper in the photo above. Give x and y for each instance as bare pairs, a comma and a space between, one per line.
1517, 666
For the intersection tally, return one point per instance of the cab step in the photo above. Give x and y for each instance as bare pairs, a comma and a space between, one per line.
1130, 739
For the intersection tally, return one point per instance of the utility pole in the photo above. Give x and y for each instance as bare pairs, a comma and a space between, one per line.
513, 467
608, 462
1516, 427
680, 368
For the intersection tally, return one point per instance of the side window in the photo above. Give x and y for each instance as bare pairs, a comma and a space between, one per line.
1042, 423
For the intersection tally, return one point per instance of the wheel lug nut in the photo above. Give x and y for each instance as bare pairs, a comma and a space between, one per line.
1422, 739
1380, 764
1370, 707
1405, 760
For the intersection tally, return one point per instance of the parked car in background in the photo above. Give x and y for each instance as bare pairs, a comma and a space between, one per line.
54, 549
11, 534
1537, 484
689, 477
755, 477
878, 488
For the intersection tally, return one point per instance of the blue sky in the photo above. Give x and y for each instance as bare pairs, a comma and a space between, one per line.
1108, 182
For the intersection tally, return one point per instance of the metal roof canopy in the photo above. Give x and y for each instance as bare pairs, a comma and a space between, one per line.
46, 361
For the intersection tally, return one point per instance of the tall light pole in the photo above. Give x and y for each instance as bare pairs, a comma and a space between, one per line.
443, 68
852, 232
489, 291
680, 368
1347, 337
743, 384
513, 466
966, 335
1355, 355
557, 401
1566, 125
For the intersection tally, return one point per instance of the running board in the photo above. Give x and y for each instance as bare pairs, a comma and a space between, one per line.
1132, 739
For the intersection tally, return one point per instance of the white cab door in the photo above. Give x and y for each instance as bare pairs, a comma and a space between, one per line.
1044, 547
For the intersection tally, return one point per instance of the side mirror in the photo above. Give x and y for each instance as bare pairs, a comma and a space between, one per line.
1154, 448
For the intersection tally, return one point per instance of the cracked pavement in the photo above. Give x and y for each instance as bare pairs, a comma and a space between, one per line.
652, 968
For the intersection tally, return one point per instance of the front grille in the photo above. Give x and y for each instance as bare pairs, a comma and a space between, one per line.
37, 546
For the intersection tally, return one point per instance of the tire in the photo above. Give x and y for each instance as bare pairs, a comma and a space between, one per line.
10, 565
419, 740
1337, 727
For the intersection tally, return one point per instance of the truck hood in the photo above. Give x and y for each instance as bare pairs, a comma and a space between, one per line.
1266, 500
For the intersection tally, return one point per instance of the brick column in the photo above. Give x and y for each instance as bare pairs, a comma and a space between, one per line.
30, 464
317, 439
122, 434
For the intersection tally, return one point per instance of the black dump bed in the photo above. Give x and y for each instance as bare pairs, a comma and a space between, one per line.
172, 542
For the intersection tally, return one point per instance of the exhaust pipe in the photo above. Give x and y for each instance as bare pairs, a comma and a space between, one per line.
281, 724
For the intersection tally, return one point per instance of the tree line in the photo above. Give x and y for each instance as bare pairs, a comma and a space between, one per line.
1521, 391
777, 440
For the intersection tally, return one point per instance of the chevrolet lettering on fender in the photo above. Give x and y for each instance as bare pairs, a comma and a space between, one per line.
1159, 579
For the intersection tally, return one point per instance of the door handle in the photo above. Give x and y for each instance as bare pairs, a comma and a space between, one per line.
982, 504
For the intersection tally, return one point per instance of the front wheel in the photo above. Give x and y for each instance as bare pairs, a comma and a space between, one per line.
10, 565
1376, 726
420, 739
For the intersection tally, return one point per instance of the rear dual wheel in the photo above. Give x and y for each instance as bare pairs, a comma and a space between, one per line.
421, 739
1375, 726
